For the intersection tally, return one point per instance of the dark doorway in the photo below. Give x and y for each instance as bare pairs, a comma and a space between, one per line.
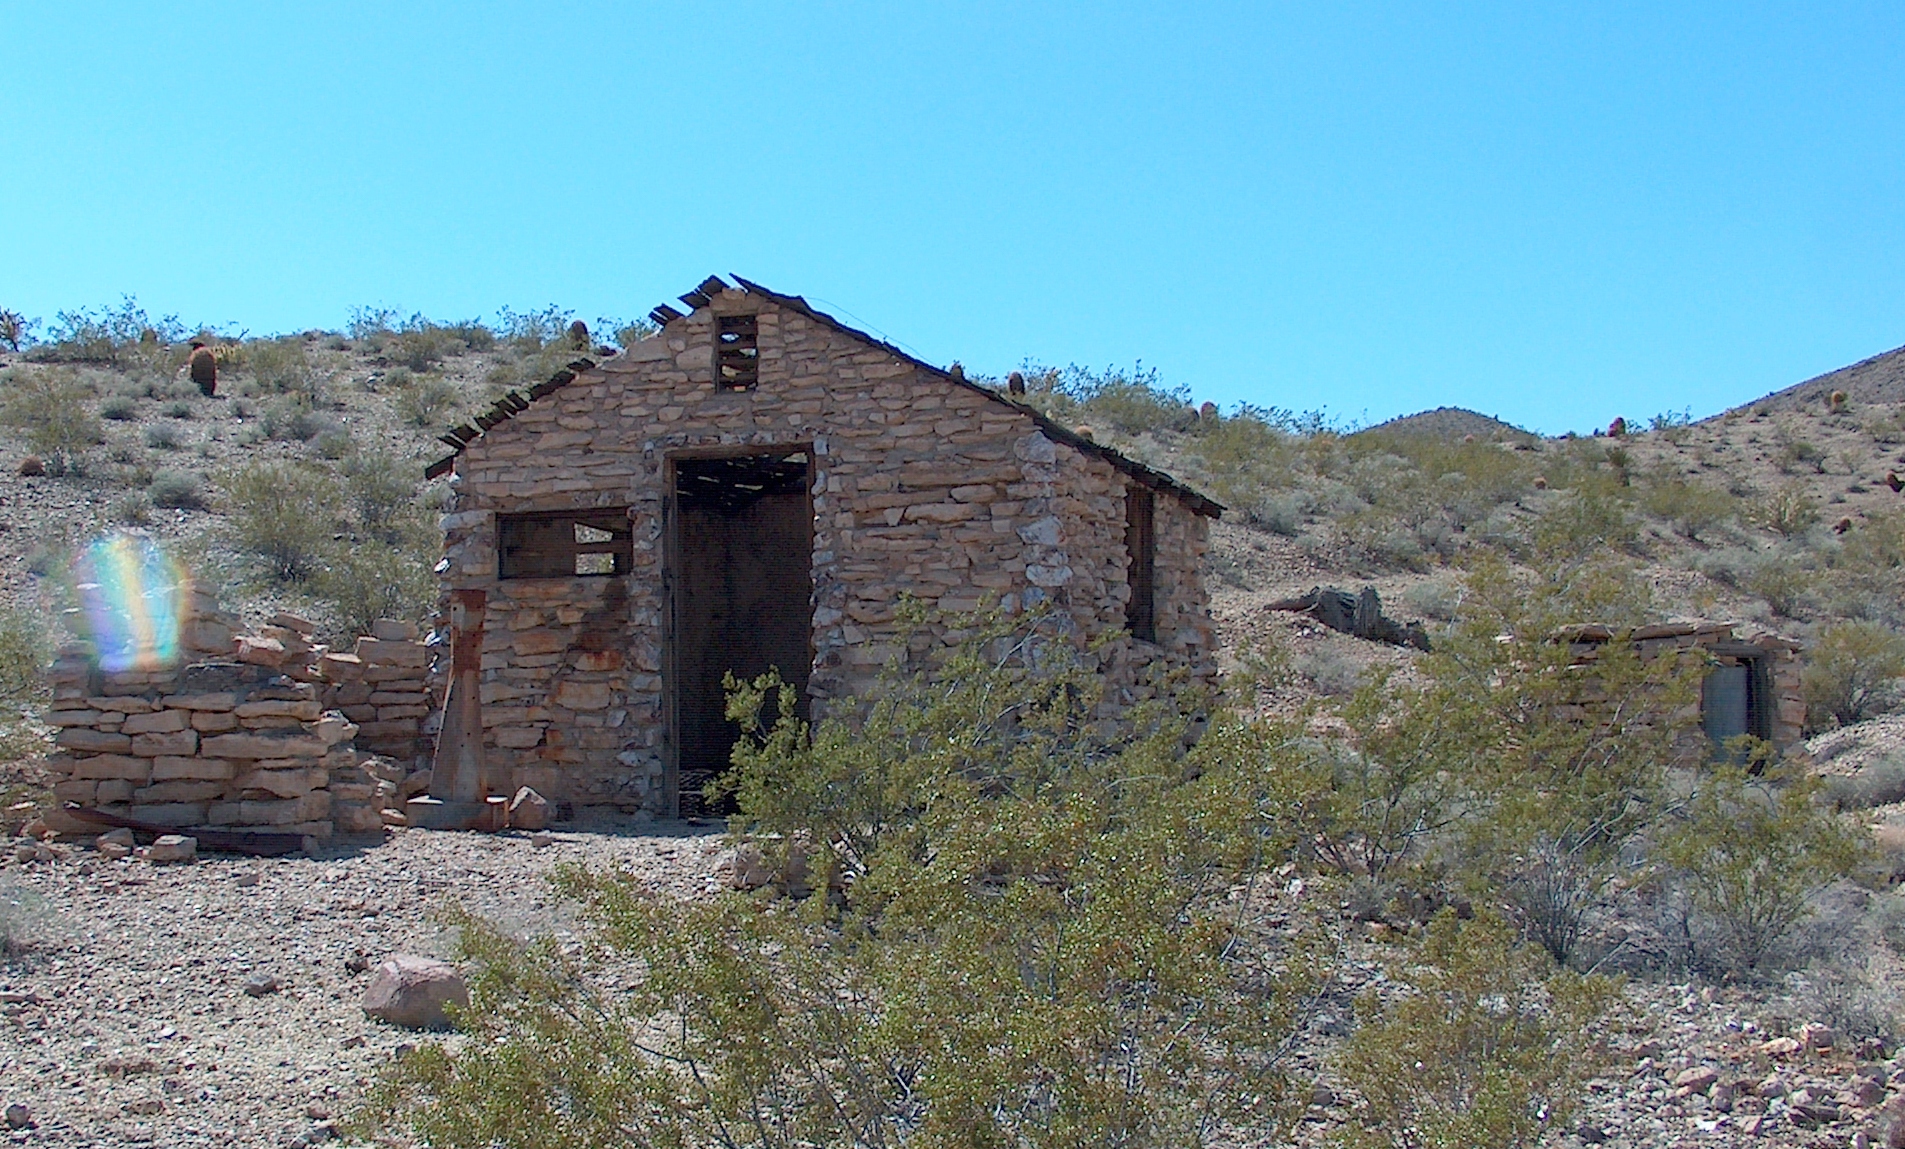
740, 590
1733, 700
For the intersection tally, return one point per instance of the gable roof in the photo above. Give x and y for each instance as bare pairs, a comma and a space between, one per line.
462, 435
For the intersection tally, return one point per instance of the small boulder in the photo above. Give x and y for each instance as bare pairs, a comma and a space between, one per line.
120, 837
411, 991
542, 839
32, 467
172, 848
750, 870
1867, 1092
1699, 1079
528, 810
1816, 1036
258, 985
19, 1116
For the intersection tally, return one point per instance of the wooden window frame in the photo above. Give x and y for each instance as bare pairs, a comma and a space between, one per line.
1140, 541
533, 545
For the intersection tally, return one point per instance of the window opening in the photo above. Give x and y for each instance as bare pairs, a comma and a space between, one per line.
737, 361
564, 544
1140, 544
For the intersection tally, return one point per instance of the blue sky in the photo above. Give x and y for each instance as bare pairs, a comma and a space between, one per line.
1557, 214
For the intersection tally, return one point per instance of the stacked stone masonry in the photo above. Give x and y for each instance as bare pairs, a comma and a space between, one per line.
922, 487
267, 731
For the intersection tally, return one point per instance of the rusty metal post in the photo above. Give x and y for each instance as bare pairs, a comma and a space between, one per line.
459, 777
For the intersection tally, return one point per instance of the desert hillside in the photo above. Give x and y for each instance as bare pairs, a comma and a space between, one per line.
297, 484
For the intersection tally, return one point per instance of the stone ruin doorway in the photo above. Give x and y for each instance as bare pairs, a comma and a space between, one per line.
739, 582
1736, 695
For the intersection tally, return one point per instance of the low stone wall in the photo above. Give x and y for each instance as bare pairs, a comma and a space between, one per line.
273, 732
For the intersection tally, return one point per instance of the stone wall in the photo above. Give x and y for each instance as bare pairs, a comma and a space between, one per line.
922, 487
1777, 657
268, 732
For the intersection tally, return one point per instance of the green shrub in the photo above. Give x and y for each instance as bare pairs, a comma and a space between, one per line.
534, 330
164, 437
1851, 672
26, 648
291, 418
626, 332
1018, 934
1554, 754
50, 409
424, 398
334, 442
382, 490
132, 509
369, 579
1751, 851
284, 367
105, 335
119, 408
421, 345
177, 490
1782, 582
283, 515
1480, 1045
1694, 508
1798, 454
371, 322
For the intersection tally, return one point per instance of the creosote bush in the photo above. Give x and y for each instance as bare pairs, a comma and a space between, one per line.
1751, 849
1852, 673
282, 514
51, 409
1480, 1045
1018, 933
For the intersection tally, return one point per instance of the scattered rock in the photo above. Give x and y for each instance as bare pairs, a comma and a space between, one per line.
119, 837
19, 1116
528, 810
258, 985
542, 839
1816, 1036
113, 851
750, 870
1866, 1092
411, 991
1699, 1079
172, 848
357, 963
245, 881
1778, 1047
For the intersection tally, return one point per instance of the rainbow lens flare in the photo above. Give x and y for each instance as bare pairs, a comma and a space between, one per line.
132, 595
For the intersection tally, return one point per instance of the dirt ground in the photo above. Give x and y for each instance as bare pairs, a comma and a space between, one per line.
126, 1022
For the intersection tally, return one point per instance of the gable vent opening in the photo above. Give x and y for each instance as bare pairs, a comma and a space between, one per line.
737, 356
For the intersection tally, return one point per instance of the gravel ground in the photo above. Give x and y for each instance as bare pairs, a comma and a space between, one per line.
125, 1022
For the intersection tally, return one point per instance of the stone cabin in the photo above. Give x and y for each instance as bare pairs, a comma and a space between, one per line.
757, 486
1753, 685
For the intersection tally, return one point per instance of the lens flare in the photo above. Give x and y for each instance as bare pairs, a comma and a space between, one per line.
132, 594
